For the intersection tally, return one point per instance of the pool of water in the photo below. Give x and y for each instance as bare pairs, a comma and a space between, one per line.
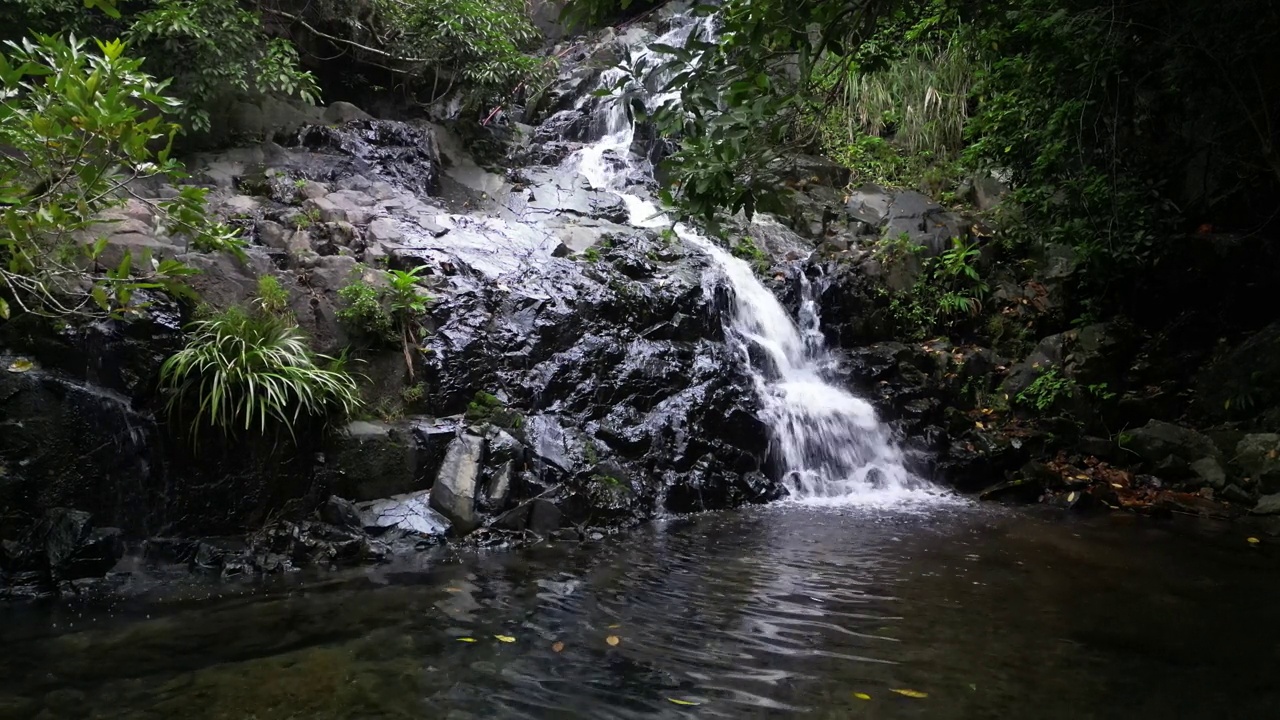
775, 612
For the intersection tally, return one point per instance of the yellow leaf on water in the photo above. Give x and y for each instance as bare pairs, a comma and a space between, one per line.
613, 640
678, 701
466, 639
1071, 496
453, 589
862, 696
21, 365
557, 646
1253, 540
615, 626
504, 638
979, 425
910, 693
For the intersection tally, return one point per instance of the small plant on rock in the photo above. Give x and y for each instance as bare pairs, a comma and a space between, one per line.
306, 218
1047, 390
272, 298
364, 312
488, 408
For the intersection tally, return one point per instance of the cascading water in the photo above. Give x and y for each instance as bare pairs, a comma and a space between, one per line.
833, 447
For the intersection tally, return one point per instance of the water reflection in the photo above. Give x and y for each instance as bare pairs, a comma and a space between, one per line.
772, 613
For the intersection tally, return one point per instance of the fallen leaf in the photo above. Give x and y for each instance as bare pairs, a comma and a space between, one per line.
504, 638
1071, 496
613, 640
466, 639
979, 425
1253, 540
557, 646
615, 626
21, 365
910, 693
678, 701
453, 589
862, 696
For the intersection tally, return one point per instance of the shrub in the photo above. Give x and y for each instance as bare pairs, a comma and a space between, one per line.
214, 50
243, 372
76, 127
387, 314
364, 312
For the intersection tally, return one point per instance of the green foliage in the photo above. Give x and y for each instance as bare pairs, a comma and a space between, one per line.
215, 51
364, 311
746, 249
1090, 108
948, 288
77, 127
306, 218
389, 313
591, 254
483, 47
1048, 390
249, 372
272, 298
414, 393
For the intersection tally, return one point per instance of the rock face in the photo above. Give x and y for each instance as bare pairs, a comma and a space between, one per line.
601, 344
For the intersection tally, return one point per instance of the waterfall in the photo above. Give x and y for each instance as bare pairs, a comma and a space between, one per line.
833, 447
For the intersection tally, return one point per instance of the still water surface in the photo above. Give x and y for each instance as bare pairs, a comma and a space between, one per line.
776, 612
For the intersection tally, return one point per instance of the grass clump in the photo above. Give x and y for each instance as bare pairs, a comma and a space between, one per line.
244, 372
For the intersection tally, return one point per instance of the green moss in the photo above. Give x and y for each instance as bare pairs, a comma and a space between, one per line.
488, 408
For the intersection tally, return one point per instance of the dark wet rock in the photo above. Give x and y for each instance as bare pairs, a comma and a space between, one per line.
457, 483
65, 443
1170, 449
1209, 471
371, 460
65, 545
341, 513
406, 154
1258, 457
539, 516
1267, 505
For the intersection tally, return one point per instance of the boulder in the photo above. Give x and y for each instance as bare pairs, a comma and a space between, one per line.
1258, 457
869, 204
1267, 505
454, 492
64, 545
341, 112
1171, 450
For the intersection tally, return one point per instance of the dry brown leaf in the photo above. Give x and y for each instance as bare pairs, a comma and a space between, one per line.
557, 646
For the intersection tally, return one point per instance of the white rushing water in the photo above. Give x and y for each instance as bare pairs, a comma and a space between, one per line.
833, 447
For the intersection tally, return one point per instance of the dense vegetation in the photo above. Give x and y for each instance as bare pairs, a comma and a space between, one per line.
1117, 124
219, 51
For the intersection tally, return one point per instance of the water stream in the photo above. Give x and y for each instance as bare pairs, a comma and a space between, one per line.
832, 446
